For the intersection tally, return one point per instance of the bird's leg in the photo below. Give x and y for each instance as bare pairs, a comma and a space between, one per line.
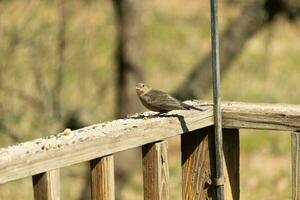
159, 114
206, 104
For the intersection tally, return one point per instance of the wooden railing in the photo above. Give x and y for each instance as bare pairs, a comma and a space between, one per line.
42, 158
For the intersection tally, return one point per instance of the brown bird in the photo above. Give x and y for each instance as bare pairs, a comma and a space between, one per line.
159, 101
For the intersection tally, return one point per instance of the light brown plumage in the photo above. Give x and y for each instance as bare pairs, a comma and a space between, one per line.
159, 101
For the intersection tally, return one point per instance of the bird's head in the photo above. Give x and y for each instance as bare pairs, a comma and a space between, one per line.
141, 88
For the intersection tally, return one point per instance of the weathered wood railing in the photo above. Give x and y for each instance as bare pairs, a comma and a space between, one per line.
42, 158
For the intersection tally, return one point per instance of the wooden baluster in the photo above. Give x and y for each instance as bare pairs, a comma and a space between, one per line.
231, 149
155, 171
295, 140
46, 185
197, 150
102, 178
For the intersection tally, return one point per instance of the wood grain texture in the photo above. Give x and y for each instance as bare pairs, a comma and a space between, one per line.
231, 149
198, 166
46, 186
197, 153
295, 140
102, 178
155, 171
261, 116
60, 150
94, 141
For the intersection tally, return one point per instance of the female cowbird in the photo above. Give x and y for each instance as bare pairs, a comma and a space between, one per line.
159, 101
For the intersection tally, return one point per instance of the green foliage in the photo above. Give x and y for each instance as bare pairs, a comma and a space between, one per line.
177, 36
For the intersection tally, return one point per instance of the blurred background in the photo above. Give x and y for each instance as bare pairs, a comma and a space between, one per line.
71, 63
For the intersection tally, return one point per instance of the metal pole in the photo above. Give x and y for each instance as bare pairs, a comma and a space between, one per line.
219, 179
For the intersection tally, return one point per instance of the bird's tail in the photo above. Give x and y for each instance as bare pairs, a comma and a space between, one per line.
189, 107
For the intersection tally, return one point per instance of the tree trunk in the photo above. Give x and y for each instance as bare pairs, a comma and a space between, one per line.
129, 58
129, 55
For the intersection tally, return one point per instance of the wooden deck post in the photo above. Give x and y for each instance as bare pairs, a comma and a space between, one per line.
198, 164
295, 148
102, 178
155, 171
46, 185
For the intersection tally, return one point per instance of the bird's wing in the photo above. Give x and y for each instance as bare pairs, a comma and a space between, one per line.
162, 100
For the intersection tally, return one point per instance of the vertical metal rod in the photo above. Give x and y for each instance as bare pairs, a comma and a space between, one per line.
219, 179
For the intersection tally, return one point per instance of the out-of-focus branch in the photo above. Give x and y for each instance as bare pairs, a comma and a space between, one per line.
293, 9
39, 82
59, 75
232, 41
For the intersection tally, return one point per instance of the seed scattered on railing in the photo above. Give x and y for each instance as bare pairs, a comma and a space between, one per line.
57, 136
49, 136
67, 131
82, 139
46, 146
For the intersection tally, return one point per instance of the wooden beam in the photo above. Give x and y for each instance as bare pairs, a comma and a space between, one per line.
94, 141
155, 171
198, 164
71, 147
295, 140
46, 186
261, 116
102, 178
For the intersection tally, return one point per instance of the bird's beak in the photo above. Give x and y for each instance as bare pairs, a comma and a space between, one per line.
138, 90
